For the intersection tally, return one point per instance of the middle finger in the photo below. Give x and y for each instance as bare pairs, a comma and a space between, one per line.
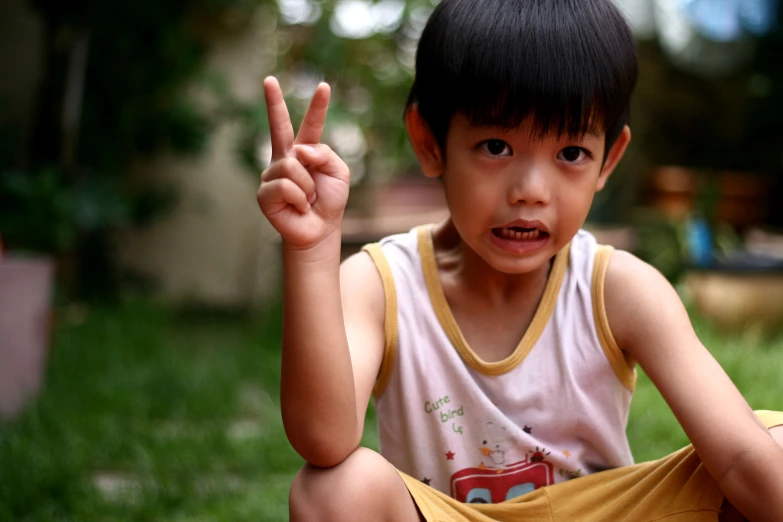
315, 117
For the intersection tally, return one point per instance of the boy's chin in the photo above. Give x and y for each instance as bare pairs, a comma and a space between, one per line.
517, 265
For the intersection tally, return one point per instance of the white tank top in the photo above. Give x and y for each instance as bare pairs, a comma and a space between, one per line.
555, 409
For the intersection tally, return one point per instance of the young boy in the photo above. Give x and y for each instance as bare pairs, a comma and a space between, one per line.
500, 345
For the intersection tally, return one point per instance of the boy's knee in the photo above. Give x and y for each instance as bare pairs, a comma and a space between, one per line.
338, 493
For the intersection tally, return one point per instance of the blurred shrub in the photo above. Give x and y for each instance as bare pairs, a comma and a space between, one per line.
114, 89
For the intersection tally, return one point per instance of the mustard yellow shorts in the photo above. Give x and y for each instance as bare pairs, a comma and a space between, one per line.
676, 488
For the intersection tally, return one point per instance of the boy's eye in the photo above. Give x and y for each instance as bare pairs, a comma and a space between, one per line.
573, 154
496, 148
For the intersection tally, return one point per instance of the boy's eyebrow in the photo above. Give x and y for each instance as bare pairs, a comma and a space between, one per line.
483, 127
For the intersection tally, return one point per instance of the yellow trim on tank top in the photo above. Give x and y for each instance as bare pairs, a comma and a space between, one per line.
389, 320
622, 365
443, 312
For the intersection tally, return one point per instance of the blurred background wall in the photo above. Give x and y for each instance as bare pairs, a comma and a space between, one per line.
212, 247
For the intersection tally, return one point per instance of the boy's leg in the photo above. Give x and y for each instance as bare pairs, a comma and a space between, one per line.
365, 486
728, 512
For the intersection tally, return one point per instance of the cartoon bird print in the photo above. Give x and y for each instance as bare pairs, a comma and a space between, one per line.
539, 454
492, 453
492, 457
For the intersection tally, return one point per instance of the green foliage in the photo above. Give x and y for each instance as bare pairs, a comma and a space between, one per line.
36, 211
43, 213
661, 242
142, 57
370, 79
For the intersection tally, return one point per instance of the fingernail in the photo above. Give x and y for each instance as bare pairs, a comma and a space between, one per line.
313, 198
308, 148
307, 208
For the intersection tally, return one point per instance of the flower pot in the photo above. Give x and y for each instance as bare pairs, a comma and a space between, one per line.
739, 290
25, 320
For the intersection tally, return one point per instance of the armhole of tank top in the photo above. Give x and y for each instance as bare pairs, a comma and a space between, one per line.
389, 319
621, 365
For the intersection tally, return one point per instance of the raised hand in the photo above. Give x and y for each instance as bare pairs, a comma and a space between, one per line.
304, 190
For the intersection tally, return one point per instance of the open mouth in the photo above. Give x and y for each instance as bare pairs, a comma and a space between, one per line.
519, 233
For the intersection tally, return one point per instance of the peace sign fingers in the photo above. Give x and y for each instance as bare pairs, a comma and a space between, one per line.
304, 190
315, 117
280, 128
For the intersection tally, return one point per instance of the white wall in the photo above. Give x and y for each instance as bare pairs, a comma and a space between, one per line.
216, 248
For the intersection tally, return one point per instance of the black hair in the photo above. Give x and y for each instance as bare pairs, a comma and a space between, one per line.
571, 65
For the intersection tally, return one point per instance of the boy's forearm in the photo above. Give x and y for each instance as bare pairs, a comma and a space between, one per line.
317, 388
754, 484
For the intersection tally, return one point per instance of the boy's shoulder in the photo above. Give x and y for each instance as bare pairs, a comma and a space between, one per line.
407, 238
404, 248
638, 298
371, 271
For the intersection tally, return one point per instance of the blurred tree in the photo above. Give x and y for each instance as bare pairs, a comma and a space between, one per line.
366, 51
115, 88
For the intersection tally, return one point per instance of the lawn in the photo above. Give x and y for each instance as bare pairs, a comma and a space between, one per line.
154, 414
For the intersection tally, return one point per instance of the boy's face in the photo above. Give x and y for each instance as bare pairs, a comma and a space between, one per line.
516, 200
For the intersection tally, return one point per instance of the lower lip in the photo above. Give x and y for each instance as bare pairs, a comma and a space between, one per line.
515, 246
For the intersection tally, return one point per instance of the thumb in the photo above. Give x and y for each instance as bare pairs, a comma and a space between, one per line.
322, 158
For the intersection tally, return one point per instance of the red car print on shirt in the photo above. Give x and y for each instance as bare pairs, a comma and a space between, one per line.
492, 486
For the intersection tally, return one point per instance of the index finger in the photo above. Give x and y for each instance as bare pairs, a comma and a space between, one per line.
315, 117
280, 128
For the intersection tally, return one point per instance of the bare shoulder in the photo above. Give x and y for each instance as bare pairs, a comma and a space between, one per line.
364, 312
361, 284
640, 301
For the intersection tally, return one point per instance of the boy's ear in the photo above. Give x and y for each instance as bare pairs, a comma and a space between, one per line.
614, 157
424, 144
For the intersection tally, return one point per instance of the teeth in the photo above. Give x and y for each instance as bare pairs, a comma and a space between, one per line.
508, 233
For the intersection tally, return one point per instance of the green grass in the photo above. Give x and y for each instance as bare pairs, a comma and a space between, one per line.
151, 414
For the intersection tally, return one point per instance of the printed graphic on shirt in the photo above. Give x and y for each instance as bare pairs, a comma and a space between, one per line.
569, 474
498, 475
539, 454
446, 412
492, 457
493, 447
492, 486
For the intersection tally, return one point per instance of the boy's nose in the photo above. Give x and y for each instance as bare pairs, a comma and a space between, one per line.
529, 186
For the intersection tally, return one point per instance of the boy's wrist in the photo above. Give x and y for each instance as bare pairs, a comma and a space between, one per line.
324, 252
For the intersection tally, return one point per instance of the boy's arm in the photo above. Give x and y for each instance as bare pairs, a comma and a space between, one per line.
333, 342
649, 321
325, 386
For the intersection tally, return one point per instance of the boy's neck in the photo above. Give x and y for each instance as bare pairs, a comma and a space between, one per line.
476, 276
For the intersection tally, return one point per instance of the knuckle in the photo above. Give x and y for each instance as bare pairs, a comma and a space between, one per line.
269, 173
286, 185
323, 147
290, 166
292, 192
265, 193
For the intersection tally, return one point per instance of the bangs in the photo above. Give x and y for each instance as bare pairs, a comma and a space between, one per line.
568, 65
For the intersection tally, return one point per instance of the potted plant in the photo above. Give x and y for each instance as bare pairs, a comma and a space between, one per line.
45, 217
25, 319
